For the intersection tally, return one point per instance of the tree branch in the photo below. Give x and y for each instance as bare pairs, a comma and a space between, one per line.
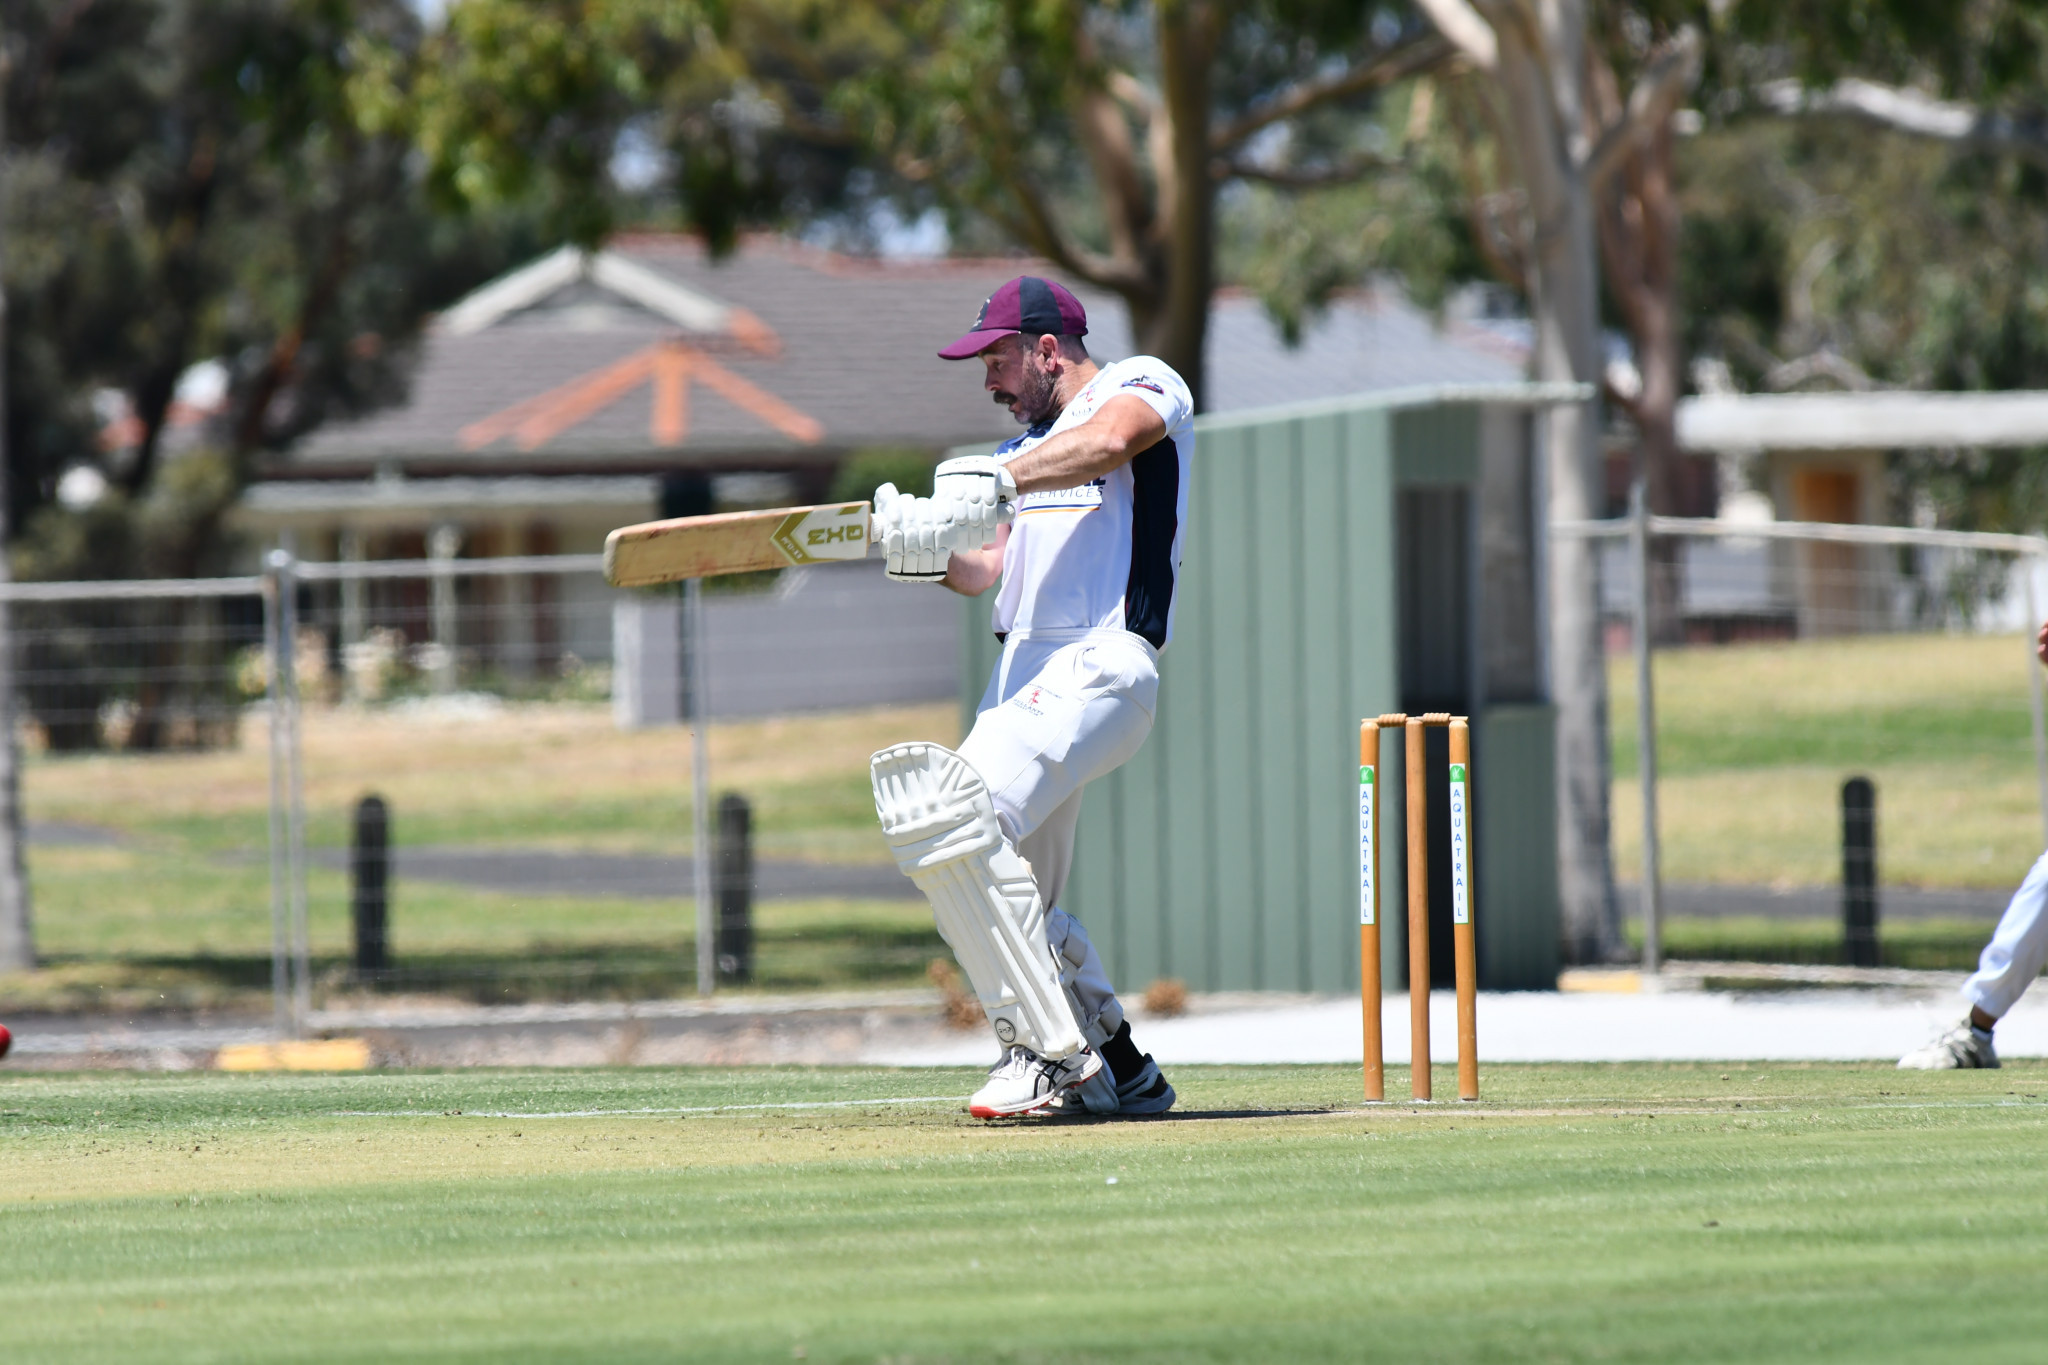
1033, 226
1031, 221
1306, 177
1464, 28
1407, 58
1101, 104
1826, 363
1668, 78
1906, 110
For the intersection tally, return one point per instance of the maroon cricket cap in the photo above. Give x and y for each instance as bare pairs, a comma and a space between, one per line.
1025, 304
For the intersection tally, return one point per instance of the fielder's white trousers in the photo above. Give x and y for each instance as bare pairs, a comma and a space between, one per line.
2018, 947
1062, 709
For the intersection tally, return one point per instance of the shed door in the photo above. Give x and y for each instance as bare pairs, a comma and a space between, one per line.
1436, 600
1436, 668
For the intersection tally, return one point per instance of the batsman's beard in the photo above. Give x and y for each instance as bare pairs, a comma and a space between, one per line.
1033, 401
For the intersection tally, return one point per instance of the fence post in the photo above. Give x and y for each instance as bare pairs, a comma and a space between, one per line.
1859, 871
283, 567
697, 708
442, 543
280, 894
369, 878
735, 889
1646, 726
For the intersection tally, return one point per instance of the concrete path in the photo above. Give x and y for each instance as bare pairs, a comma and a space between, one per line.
1803, 1025
904, 1028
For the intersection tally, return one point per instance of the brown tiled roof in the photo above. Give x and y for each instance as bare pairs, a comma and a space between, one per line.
818, 354
849, 361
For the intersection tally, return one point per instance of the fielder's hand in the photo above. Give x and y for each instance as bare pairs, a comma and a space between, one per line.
977, 495
914, 538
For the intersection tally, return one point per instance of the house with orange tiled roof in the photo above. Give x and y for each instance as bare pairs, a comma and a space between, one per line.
548, 406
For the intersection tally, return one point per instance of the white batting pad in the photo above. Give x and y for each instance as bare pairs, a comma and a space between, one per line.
939, 821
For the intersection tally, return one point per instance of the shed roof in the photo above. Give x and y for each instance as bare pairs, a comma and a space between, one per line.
1862, 421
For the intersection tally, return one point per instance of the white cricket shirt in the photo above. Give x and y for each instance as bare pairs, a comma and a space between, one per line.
1107, 554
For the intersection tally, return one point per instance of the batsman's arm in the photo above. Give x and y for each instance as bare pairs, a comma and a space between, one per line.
973, 572
1123, 427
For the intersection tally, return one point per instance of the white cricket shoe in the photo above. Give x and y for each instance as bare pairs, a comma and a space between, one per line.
1961, 1048
1024, 1082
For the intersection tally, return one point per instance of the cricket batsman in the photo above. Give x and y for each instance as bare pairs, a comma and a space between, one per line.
1080, 520
2008, 965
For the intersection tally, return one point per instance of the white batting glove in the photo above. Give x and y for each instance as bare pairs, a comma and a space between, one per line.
978, 495
912, 534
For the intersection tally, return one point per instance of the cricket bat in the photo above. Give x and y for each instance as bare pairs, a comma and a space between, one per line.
734, 542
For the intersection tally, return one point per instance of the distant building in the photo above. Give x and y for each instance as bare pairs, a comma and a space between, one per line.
548, 404
589, 390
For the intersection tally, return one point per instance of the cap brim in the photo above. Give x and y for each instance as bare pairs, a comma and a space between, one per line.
974, 343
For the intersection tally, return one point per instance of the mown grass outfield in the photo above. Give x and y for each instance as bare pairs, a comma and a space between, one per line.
1612, 1213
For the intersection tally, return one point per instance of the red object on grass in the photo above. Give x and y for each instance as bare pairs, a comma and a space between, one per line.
6, 1040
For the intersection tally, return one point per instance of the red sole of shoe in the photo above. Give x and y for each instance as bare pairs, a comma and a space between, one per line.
982, 1111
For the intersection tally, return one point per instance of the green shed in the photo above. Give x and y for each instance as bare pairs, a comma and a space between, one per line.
1342, 559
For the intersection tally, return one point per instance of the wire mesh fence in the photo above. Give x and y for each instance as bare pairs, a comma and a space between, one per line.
198, 756
1782, 661
199, 752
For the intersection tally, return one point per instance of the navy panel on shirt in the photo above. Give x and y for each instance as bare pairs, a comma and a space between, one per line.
1020, 438
1155, 519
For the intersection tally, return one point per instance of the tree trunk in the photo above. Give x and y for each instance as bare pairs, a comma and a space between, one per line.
1639, 241
1178, 330
17, 925
1546, 124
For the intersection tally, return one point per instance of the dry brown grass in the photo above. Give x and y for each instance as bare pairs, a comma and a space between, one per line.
962, 1011
529, 767
1166, 997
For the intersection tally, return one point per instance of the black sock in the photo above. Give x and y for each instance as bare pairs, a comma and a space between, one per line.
1125, 1061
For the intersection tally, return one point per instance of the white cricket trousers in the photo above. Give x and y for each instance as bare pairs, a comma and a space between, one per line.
2018, 947
1063, 708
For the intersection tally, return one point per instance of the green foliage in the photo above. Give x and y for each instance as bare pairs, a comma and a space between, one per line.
1297, 249
866, 470
530, 104
197, 180
1823, 253
1983, 49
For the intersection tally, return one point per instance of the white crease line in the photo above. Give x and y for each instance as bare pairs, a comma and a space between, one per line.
609, 1113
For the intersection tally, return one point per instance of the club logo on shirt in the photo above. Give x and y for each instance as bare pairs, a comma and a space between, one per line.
1086, 498
1142, 382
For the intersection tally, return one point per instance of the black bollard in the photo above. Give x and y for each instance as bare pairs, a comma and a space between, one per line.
733, 888
1859, 871
370, 877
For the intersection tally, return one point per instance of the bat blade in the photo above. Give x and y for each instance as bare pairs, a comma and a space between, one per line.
734, 542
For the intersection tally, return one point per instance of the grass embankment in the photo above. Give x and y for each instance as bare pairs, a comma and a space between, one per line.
1754, 742
1626, 1213
177, 909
